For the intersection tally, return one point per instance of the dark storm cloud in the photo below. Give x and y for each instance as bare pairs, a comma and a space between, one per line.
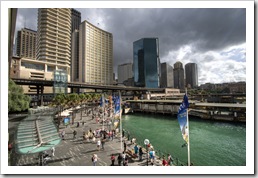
203, 29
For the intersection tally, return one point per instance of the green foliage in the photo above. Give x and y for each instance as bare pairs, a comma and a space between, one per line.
17, 100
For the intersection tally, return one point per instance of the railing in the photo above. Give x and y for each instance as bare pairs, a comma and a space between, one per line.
159, 153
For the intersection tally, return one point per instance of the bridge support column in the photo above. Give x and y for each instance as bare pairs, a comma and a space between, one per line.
38, 97
41, 97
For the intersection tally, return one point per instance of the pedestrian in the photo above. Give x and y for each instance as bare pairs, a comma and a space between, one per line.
74, 134
123, 157
126, 161
124, 146
164, 161
113, 158
119, 159
128, 135
136, 149
98, 144
103, 143
140, 154
78, 124
94, 159
53, 151
123, 133
82, 122
170, 160
63, 134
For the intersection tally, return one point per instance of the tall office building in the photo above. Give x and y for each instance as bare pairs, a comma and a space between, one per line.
146, 63
54, 39
95, 55
76, 21
26, 43
191, 75
167, 76
179, 77
125, 71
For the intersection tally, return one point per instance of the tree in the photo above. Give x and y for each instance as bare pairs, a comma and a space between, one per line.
17, 100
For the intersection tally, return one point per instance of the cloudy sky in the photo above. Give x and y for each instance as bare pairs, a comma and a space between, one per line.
215, 39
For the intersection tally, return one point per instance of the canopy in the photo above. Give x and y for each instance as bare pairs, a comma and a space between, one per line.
36, 134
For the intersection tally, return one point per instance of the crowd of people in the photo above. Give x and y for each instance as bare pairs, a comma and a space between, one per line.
99, 136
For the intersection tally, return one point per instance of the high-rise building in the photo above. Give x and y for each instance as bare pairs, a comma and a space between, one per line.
167, 76
146, 63
125, 71
76, 20
179, 76
26, 43
95, 55
75, 25
191, 75
54, 39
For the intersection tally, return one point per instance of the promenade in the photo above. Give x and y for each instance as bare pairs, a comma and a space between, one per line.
78, 152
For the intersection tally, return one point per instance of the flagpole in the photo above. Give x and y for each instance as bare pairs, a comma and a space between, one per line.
188, 144
103, 105
120, 119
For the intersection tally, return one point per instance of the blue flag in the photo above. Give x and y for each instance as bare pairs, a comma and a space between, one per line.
182, 118
102, 101
117, 107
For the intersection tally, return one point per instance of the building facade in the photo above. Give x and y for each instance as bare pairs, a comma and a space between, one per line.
54, 39
125, 71
191, 75
167, 76
26, 43
146, 63
179, 77
95, 55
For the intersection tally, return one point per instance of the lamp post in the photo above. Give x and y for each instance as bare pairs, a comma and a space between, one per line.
146, 143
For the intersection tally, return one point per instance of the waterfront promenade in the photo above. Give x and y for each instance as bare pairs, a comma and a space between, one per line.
77, 152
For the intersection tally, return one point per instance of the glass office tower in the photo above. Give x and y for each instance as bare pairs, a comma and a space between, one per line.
146, 63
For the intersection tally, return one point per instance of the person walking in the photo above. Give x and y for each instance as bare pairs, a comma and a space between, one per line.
113, 159
94, 159
124, 146
140, 154
98, 144
103, 143
63, 134
119, 159
136, 149
74, 134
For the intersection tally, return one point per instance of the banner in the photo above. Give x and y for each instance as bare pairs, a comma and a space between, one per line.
182, 118
117, 109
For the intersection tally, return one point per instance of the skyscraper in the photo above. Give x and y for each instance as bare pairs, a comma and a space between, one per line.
179, 76
191, 75
95, 55
26, 43
54, 38
167, 76
146, 63
125, 71
75, 25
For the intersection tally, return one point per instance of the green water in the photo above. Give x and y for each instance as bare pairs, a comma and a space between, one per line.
212, 143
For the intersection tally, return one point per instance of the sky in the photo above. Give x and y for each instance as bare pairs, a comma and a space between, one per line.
213, 38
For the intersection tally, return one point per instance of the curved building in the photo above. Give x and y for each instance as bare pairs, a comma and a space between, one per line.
95, 55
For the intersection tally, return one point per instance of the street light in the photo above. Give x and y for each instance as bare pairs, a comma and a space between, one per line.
146, 143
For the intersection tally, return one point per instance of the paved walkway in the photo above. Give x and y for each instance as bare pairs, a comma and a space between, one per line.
76, 152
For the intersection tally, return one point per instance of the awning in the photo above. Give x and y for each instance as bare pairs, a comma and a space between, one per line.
36, 134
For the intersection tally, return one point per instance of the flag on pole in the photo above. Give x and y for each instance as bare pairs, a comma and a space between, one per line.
117, 107
182, 118
102, 101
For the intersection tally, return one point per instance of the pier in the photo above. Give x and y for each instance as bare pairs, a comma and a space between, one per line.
212, 111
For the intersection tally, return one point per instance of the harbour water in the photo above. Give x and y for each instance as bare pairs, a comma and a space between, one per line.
212, 143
